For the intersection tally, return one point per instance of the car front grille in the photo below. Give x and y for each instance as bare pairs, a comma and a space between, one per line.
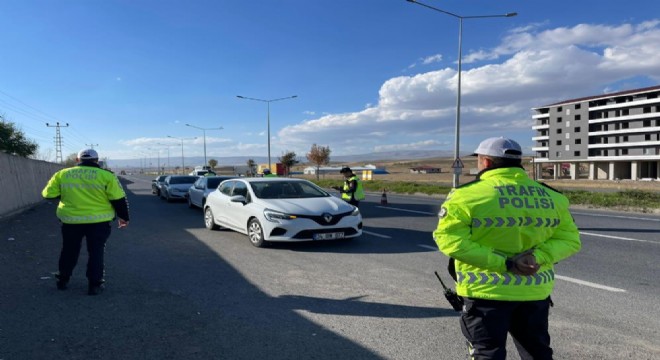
320, 219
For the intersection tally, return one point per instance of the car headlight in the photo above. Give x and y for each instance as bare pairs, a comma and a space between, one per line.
355, 212
272, 215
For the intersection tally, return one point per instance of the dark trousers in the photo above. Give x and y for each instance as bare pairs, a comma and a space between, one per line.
95, 235
485, 324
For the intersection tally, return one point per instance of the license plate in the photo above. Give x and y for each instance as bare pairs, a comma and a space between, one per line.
329, 236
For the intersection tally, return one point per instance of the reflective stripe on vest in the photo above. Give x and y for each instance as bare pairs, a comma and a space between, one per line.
504, 278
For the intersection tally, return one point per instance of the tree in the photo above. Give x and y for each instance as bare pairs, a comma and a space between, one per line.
288, 159
213, 163
319, 155
13, 141
252, 167
71, 160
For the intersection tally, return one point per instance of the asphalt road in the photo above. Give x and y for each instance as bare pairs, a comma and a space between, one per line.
178, 291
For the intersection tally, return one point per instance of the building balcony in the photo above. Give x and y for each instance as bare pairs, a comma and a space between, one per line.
636, 103
541, 127
624, 145
651, 115
541, 116
540, 148
653, 129
542, 137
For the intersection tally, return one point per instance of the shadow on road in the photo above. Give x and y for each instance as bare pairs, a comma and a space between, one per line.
168, 296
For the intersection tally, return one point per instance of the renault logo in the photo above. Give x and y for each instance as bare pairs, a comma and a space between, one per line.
327, 217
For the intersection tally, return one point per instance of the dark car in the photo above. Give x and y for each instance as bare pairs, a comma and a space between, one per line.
203, 186
175, 187
156, 184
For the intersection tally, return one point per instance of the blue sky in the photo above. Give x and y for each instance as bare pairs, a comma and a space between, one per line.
370, 75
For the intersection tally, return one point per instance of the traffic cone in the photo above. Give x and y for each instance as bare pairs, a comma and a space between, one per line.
383, 198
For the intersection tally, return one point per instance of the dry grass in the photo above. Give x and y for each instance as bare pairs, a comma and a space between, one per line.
400, 171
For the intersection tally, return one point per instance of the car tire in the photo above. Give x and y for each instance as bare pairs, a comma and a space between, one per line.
256, 233
209, 221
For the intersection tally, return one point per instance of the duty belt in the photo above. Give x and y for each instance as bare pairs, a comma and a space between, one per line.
504, 278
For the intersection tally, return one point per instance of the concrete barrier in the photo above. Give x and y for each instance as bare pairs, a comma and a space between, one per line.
21, 181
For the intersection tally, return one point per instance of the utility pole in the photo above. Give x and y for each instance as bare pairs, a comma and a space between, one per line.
58, 141
92, 145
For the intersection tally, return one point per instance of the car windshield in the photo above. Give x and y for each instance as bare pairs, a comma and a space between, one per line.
214, 181
161, 178
286, 190
183, 179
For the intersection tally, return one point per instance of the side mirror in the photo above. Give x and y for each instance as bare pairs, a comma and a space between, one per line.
238, 198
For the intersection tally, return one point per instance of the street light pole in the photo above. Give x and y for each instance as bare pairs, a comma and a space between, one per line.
168, 153
457, 131
204, 132
268, 116
183, 166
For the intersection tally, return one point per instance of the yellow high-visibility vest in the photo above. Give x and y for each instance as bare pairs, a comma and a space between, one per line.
85, 193
501, 214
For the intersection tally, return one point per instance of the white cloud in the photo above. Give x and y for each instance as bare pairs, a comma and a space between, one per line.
419, 145
432, 59
530, 67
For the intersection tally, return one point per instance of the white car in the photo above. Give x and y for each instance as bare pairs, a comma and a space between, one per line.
175, 187
280, 209
202, 188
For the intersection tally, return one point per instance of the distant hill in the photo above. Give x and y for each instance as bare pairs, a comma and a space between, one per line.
242, 160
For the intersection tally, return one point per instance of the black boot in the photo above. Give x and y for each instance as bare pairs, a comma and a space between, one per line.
62, 281
95, 288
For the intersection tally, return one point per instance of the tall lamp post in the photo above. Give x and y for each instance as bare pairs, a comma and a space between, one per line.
168, 153
268, 116
158, 152
204, 132
457, 163
183, 166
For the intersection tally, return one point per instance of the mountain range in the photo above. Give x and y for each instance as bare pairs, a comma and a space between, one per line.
242, 160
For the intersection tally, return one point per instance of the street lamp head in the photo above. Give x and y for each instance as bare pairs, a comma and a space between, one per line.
511, 14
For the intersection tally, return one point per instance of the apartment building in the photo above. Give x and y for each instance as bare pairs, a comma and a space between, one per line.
606, 137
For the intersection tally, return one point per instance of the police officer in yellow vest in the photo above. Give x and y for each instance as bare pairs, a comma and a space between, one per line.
90, 199
268, 173
504, 232
352, 191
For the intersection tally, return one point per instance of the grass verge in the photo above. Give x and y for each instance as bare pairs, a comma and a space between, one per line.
644, 201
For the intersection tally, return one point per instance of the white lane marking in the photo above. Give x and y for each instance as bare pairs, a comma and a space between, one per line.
406, 210
617, 237
587, 283
428, 247
376, 234
615, 216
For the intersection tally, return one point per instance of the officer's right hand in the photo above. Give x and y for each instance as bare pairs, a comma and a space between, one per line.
525, 263
123, 223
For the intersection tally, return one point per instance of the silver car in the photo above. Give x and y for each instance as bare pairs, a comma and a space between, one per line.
175, 187
202, 187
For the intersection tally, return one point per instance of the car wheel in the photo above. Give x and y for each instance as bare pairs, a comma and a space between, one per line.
256, 233
209, 222
190, 204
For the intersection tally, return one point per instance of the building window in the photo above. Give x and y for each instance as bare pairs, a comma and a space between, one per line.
577, 129
647, 123
577, 106
558, 154
647, 137
558, 131
576, 153
625, 125
559, 119
559, 109
625, 138
624, 151
578, 141
558, 142
578, 117
625, 112
647, 109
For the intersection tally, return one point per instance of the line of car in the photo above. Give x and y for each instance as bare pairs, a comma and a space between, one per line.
264, 209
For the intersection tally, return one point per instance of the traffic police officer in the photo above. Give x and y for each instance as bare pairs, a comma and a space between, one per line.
504, 232
90, 199
352, 191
